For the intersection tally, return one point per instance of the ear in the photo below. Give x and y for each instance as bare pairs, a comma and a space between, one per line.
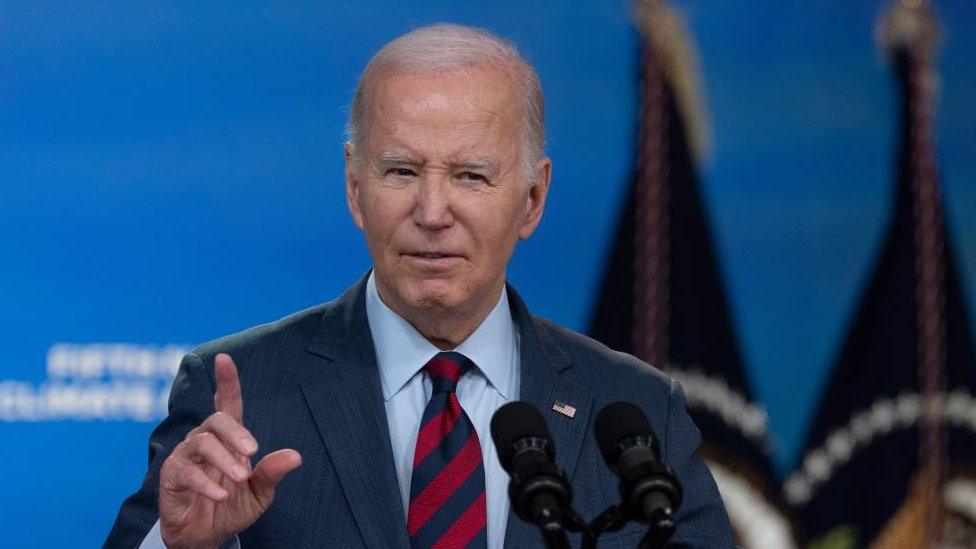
352, 185
535, 199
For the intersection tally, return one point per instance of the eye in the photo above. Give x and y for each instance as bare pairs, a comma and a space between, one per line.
401, 172
473, 177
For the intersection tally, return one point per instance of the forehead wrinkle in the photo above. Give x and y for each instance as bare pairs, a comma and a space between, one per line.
421, 130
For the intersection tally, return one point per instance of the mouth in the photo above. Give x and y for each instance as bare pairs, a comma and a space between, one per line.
433, 260
432, 255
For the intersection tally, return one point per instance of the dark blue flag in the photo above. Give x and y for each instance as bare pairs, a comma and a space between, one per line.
891, 455
662, 297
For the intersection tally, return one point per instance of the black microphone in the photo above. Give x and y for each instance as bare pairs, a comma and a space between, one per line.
539, 491
649, 489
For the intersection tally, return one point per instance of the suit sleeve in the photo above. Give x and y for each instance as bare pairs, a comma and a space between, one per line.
701, 518
190, 403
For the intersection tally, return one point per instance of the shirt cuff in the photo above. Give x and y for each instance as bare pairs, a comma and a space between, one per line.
154, 540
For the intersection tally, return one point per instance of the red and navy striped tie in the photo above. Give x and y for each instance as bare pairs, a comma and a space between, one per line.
447, 488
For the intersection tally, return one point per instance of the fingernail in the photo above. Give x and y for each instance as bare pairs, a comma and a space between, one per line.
240, 473
249, 445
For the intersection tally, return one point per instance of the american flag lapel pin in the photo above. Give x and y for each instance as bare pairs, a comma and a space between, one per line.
564, 409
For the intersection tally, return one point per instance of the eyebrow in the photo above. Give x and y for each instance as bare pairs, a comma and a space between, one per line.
387, 158
480, 163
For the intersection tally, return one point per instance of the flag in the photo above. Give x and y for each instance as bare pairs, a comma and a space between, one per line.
890, 457
662, 297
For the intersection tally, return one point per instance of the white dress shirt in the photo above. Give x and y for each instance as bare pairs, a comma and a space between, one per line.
401, 353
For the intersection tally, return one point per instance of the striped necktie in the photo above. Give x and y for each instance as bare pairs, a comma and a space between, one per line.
447, 487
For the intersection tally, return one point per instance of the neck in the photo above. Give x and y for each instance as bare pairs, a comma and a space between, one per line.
442, 327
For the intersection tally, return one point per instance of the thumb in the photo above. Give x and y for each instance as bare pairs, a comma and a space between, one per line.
269, 472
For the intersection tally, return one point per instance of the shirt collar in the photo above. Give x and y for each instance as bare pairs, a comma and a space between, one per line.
401, 351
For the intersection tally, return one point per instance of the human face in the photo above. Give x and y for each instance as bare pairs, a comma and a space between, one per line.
439, 189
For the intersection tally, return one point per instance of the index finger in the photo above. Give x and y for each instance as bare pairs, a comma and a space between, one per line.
228, 399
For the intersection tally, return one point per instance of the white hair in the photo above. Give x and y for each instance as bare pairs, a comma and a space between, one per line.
446, 47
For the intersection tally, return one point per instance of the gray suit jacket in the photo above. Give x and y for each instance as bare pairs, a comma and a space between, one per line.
310, 382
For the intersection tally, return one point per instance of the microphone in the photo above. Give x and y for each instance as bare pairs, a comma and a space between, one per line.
539, 491
648, 488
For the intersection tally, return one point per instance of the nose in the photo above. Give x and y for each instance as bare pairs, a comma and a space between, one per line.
432, 203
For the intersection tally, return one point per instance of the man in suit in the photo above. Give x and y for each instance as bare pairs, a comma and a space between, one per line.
367, 417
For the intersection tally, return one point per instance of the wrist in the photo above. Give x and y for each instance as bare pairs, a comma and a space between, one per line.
175, 541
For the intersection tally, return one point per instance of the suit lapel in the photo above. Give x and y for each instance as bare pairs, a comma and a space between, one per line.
344, 394
546, 380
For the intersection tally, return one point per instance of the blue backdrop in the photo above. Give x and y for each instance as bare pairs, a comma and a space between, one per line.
171, 172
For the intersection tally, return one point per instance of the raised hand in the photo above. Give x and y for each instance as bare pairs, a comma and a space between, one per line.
208, 492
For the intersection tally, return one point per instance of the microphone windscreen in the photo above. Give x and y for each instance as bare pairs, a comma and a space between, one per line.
512, 422
617, 421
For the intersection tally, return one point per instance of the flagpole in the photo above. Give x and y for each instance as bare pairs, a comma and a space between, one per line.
651, 308
911, 31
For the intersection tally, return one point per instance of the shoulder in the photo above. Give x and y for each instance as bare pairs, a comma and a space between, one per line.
292, 330
609, 374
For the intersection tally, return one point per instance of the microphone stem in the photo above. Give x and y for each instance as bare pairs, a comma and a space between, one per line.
554, 536
657, 535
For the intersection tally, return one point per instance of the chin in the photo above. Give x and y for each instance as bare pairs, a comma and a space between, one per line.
433, 294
